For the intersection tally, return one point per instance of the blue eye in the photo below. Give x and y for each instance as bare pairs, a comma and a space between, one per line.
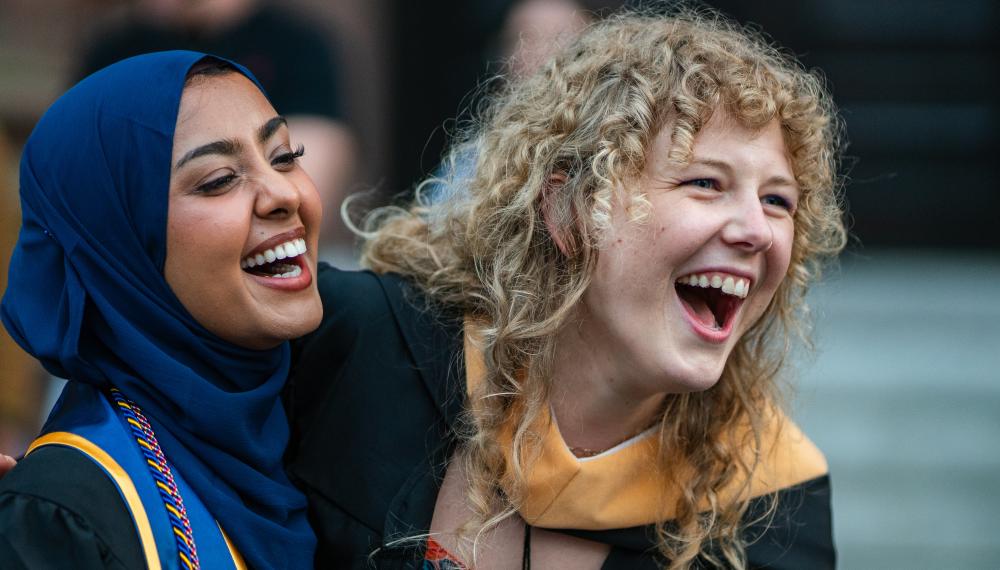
775, 200
706, 183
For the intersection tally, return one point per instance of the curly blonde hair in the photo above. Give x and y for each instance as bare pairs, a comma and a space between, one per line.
590, 114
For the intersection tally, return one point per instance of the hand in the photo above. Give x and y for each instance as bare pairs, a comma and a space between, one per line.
6, 464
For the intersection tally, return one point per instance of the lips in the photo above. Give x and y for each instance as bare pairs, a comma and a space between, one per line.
279, 262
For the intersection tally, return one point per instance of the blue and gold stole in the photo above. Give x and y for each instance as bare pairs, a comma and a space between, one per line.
117, 438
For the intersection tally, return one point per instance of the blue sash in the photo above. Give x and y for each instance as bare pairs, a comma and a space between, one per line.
84, 419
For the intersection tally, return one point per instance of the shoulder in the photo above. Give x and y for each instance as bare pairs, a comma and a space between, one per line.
790, 523
358, 332
377, 328
364, 303
357, 313
369, 399
787, 456
792, 528
59, 506
376, 338
337, 287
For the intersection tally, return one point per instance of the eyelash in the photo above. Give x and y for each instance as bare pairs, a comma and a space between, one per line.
289, 158
713, 185
215, 184
283, 160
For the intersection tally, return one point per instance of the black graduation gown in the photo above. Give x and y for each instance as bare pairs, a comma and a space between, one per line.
58, 509
373, 397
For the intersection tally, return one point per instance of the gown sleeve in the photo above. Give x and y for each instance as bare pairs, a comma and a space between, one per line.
798, 533
59, 510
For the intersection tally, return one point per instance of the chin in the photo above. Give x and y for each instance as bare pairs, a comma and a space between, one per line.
694, 378
307, 316
277, 325
698, 385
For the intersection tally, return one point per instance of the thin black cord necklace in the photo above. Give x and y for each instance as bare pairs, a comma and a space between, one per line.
526, 553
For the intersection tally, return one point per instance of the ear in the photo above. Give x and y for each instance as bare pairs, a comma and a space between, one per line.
563, 240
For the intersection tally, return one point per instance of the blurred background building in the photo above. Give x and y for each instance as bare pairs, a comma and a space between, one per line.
903, 392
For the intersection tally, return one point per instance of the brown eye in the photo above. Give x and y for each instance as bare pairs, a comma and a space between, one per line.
216, 185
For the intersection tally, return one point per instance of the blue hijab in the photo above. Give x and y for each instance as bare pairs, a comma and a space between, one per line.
86, 296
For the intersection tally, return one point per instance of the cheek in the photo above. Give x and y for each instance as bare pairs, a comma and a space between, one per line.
212, 240
203, 244
311, 207
781, 249
779, 257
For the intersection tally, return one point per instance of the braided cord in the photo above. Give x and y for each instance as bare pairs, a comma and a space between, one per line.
158, 467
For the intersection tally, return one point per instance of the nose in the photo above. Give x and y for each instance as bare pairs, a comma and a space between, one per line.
748, 228
277, 197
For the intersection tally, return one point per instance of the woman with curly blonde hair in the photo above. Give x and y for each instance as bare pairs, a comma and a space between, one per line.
574, 361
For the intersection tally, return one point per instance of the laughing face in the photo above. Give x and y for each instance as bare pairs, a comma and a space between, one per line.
672, 295
243, 218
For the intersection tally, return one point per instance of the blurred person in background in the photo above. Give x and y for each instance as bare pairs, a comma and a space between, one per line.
534, 30
20, 393
291, 57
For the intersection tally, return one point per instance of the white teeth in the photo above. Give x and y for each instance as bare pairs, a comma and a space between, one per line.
729, 284
293, 273
286, 250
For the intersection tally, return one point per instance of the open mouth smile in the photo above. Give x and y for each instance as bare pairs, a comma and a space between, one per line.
279, 262
711, 301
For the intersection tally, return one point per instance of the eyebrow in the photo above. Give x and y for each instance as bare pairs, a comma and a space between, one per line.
230, 147
724, 166
270, 128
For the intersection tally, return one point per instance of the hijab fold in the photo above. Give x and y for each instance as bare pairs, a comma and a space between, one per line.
86, 296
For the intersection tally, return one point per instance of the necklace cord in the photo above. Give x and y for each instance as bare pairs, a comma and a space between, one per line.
526, 552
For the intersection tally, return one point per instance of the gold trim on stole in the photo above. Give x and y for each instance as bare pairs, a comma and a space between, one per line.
120, 478
237, 557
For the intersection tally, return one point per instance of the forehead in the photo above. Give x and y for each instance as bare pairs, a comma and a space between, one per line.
722, 130
221, 104
724, 139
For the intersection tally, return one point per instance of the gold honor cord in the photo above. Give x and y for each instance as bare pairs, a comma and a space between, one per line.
124, 483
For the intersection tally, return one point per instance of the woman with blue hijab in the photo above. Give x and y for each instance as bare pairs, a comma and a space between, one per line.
165, 258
